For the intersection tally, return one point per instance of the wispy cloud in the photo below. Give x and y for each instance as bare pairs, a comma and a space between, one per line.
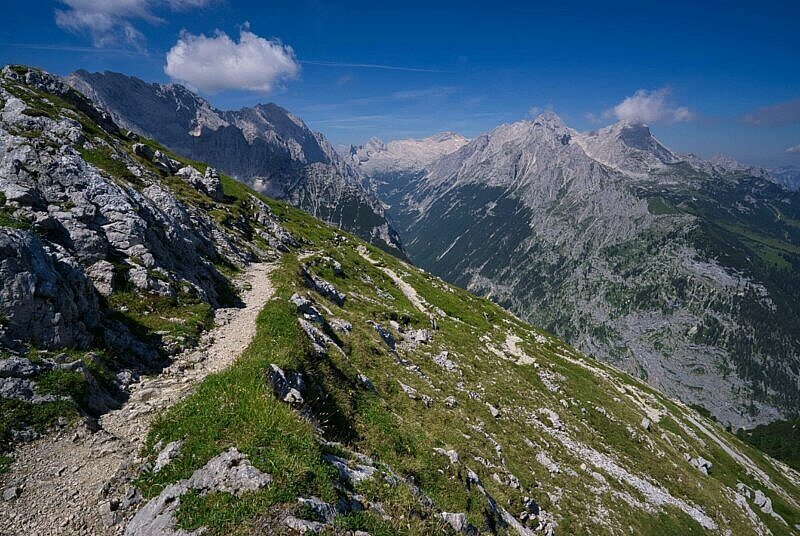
651, 107
111, 22
408, 95
371, 66
80, 49
793, 149
777, 115
217, 63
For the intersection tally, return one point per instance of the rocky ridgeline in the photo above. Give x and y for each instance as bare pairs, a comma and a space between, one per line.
265, 146
680, 271
92, 221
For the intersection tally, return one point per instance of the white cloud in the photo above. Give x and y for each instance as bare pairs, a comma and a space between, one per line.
110, 22
217, 63
793, 149
649, 107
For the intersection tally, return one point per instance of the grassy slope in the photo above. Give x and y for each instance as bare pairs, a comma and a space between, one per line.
237, 408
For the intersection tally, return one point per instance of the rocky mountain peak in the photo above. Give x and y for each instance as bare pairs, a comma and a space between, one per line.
264, 146
627, 146
550, 119
404, 155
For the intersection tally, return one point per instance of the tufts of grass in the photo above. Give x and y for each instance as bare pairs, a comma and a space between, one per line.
149, 315
104, 159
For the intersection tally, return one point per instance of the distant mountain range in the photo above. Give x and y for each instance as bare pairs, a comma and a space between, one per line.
680, 270
265, 146
403, 155
788, 176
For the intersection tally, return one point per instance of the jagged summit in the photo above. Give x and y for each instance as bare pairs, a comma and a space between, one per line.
264, 146
628, 147
375, 156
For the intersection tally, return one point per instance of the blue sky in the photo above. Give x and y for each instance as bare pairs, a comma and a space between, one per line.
710, 77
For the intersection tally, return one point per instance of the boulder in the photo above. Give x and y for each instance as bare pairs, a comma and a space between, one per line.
443, 360
458, 522
342, 326
208, 183
145, 151
268, 219
351, 473
365, 382
212, 185
45, 298
762, 501
228, 472
287, 387
304, 526
324, 288
12, 492
319, 341
324, 511
165, 163
169, 453
385, 334
306, 308
18, 367
451, 454
102, 275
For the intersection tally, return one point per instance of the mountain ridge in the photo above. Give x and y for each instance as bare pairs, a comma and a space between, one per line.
570, 227
265, 146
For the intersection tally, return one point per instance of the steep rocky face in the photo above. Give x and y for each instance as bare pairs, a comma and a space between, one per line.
788, 176
680, 271
106, 244
46, 300
264, 146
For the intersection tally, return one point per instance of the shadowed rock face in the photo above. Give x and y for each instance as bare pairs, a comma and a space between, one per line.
680, 271
46, 297
264, 146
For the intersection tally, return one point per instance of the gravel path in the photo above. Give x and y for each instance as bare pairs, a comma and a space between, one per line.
407, 290
71, 482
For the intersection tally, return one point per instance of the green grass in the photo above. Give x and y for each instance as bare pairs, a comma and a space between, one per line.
7, 218
17, 414
236, 408
105, 159
62, 383
779, 439
402, 433
148, 314
5, 463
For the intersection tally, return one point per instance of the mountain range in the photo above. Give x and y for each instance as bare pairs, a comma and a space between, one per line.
679, 270
265, 146
182, 354
665, 264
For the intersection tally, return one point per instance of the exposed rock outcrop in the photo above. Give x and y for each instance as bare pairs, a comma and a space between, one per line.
229, 472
